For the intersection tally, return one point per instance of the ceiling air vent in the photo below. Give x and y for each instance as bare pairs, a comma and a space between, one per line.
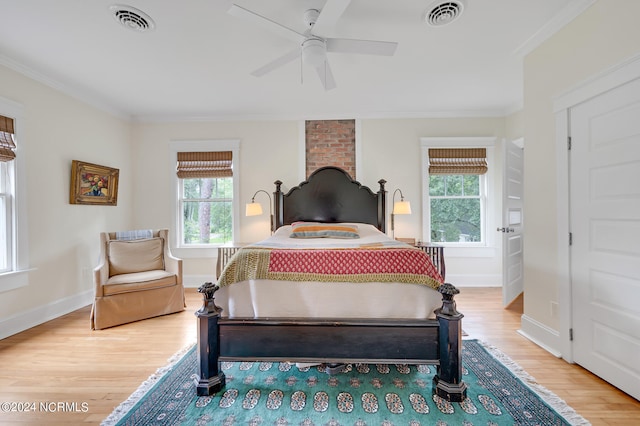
132, 18
443, 12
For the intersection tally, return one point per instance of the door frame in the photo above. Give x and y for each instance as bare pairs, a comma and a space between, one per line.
615, 76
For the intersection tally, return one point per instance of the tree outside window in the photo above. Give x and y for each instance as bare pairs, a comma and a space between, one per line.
206, 190
207, 210
456, 179
456, 207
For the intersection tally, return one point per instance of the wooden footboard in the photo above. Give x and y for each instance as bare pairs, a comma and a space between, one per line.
379, 341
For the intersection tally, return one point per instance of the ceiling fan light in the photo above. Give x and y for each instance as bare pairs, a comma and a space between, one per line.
314, 52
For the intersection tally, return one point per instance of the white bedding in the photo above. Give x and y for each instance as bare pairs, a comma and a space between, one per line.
287, 299
369, 235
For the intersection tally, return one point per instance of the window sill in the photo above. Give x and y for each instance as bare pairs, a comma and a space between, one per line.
14, 280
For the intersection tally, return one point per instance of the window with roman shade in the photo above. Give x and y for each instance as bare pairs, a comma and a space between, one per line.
7, 193
205, 197
14, 241
7, 145
457, 194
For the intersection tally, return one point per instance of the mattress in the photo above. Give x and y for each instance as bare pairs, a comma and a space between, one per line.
263, 297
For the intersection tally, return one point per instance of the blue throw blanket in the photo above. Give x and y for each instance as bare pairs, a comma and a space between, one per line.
137, 234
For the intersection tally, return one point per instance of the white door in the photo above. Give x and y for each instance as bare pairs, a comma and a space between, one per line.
604, 186
512, 221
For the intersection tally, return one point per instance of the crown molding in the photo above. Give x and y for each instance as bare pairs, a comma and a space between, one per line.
559, 21
63, 88
489, 113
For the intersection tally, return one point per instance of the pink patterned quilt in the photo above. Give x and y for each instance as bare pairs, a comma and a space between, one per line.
404, 265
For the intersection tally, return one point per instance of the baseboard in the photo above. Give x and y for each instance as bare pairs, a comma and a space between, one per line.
195, 281
543, 336
41, 314
487, 280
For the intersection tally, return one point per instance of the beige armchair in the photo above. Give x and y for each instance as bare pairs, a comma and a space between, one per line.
136, 279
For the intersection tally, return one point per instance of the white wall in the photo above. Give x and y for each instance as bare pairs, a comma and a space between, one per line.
604, 35
63, 238
514, 125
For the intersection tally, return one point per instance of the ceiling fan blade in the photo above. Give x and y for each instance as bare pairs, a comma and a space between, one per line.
278, 62
246, 14
365, 47
329, 15
326, 76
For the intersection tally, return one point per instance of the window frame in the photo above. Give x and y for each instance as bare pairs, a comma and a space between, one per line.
16, 276
175, 146
487, 186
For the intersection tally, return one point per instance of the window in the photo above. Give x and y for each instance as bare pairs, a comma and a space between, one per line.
206, 197
6, 215
14, 250
7, 194
206, 194
456, 208
206, 206
456, 196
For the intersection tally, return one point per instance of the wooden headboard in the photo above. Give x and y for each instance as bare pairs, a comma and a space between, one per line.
330, 195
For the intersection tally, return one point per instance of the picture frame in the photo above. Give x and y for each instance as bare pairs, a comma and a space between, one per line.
93, 184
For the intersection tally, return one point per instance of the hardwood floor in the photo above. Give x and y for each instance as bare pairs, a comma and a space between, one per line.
80, 375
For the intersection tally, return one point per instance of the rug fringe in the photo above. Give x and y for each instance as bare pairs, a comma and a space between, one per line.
121, 410
557, 403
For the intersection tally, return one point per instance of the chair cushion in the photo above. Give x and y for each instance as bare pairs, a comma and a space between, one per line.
137, 281
127, 257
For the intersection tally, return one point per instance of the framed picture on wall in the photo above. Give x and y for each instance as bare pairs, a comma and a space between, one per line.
93, 184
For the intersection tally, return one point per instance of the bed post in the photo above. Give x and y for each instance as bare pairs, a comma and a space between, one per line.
278, 206
448, 382
382, 207
210, 379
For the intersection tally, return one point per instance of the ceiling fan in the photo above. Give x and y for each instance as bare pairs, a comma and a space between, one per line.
312, 47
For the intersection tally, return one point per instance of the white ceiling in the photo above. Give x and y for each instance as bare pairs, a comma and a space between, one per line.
196, 62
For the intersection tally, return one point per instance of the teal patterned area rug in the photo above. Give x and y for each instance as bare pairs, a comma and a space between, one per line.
265, 393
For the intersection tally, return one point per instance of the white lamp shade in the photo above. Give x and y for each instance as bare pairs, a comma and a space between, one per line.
402, 207
253, 209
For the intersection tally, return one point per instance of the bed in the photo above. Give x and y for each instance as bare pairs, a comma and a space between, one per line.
340, 292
